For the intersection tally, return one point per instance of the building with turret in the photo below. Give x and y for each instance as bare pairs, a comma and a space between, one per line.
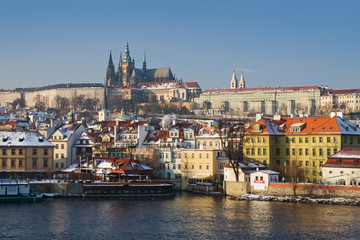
127, 74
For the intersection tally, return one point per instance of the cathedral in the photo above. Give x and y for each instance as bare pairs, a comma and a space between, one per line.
128, 75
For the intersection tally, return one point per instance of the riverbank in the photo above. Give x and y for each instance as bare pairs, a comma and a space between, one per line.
298, 199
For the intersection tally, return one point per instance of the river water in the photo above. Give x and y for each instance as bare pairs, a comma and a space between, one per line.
186, 216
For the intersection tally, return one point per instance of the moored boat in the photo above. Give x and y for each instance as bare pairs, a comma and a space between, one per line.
14, 191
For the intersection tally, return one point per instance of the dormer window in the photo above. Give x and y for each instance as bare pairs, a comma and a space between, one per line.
257, 128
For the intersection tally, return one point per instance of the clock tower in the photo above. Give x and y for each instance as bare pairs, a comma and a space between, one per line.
126, 67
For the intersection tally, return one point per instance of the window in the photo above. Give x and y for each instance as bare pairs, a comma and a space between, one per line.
259, 151
320, 151
56, 155
351, 140
20, 151
34, 151
207, 156
248, 151
306, 140
264, 140
328, 139
12, 162
259, 139
20, 162
4, 162
62, 155
277, 151
314, 151
307, 163
253, 151
300, 140
264, 151
287, 152
314, 164
56, 146
300, 151
314, 139
192, 166
4, 151
335, 150
13, 151
34, 162
328, 152
256, 178
200, 155
320, 139
45, 162
335, 140
293, 140
174, 166
200, 167
45, 151
185, 155
185, 166
62, 146
293, 151
321, 163
261, 178
300, 163
179, 166
277, 140
192, 155
207, 167
287, 140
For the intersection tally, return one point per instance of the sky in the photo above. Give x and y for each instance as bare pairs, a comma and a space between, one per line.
274, 43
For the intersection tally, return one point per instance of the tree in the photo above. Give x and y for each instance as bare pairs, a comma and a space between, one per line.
232, 133
283, 109
17, 101
90, 104
39, 102
206, 106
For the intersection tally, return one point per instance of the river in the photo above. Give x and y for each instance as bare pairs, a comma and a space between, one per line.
186, 216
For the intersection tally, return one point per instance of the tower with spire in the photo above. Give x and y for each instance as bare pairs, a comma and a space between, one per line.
242, 81
110, 73
234, 81
105, 113
126, 68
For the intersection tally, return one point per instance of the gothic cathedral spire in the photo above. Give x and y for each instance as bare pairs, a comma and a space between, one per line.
110, 72
234, 81
144, 63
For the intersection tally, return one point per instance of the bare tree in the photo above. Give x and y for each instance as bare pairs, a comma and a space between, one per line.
232, 133
39, 102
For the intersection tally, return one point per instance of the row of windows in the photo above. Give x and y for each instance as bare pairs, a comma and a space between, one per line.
167, 155
20, 162
204, 143
21, 151
13, 162
200, 167
200, 155
173, 166
256, 139
260, 151
57, 156
302, 163
57, 146
305, 151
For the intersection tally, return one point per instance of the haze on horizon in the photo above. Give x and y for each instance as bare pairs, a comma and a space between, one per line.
275, 43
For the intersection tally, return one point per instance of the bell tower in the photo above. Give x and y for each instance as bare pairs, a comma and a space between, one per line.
127, 66
234, 81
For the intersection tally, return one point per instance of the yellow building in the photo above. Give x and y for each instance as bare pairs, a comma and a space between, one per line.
305, 142
198, 166
25, 152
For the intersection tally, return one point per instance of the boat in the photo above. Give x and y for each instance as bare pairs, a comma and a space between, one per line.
113, 189
14, 191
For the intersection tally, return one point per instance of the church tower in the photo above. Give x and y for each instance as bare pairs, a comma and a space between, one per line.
242, 81
127, 66
110, 73
234, 81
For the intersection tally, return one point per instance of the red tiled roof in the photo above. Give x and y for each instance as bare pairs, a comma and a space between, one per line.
344, 91
312, 125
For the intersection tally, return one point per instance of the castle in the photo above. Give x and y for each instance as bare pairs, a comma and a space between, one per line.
127, 74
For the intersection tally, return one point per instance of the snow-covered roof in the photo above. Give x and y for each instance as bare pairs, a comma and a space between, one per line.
71, 168
24, 138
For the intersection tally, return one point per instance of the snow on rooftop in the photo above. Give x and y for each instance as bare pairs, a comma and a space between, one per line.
30, 138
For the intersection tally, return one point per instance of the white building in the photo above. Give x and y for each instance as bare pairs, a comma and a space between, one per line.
343, 168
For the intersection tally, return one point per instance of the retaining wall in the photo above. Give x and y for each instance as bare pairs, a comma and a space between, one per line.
289, 189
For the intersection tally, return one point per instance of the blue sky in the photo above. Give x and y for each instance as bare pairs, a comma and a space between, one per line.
275, 43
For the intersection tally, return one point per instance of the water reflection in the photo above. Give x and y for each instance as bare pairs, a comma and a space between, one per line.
184, 217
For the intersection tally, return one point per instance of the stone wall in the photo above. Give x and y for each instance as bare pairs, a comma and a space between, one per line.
289, 189
235, 188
